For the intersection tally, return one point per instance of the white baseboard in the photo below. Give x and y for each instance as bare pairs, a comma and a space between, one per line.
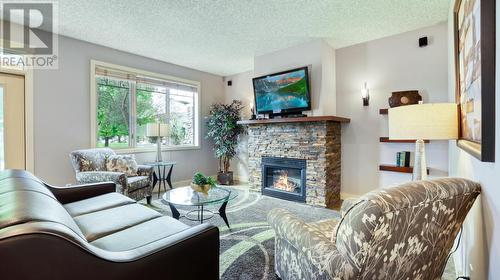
241, 179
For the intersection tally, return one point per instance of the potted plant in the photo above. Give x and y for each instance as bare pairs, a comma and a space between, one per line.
202, 183
223, 129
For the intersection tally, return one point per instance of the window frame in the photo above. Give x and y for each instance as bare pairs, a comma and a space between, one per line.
94, 101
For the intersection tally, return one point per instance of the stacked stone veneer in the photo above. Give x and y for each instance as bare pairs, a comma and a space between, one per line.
316, 142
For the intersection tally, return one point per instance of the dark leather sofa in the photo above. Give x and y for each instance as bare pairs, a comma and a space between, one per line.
92, 232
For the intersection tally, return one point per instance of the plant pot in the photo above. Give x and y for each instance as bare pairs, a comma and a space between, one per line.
225, 178
201, 188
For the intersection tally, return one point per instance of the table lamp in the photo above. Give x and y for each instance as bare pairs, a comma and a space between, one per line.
157, 130
437, 121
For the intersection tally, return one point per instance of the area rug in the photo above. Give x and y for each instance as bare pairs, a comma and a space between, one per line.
247, 248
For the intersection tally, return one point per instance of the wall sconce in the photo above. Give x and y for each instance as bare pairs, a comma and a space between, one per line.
365, 94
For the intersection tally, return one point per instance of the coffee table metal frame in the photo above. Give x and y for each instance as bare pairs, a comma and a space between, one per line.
201, 209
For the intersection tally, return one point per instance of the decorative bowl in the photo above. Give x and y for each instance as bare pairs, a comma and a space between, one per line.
201, 188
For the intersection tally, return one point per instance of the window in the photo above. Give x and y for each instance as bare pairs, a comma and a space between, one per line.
126, 100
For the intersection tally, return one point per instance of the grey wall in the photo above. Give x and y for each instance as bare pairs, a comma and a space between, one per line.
316, 54
388, 64
62, 112
241, 89
479, 252
320, 57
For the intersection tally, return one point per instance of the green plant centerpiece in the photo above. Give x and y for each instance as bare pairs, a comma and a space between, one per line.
223, 129
202, 183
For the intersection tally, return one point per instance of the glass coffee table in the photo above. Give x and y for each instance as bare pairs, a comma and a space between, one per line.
186, 196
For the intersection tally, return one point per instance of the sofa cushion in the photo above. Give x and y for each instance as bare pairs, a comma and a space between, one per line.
137, 182
122, 163
97, 203
105, 222
140, 234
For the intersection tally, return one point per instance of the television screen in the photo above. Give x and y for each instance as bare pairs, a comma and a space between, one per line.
282, 92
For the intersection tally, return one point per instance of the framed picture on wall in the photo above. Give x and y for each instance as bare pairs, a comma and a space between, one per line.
474, 33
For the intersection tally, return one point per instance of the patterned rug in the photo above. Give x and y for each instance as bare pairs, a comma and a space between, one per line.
247, 249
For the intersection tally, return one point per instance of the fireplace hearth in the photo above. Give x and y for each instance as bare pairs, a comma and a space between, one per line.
284, 178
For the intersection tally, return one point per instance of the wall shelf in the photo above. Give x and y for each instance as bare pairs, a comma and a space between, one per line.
387, 140
394, 168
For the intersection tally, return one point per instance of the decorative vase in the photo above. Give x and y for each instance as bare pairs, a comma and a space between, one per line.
402, 98
225, 178
201, 188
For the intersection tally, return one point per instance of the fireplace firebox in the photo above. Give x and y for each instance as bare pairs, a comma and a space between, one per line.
284, 178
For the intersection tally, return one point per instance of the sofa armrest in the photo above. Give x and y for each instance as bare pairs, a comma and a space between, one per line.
80, 192
190, 254
144, 170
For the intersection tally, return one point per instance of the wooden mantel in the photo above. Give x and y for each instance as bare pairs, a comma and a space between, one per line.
296, 120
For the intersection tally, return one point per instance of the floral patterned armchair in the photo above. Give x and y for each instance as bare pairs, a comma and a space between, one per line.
90, 167
404, 232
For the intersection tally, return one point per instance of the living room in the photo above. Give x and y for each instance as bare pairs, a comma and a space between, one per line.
196, 140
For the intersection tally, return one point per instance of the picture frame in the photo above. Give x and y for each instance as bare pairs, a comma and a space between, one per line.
474, 47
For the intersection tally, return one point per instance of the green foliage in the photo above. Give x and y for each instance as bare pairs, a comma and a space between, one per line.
224, 130
113, 111
146, 111
200, 179
177, 131
298, 88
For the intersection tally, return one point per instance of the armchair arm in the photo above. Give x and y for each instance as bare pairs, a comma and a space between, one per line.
80, 192
347, 204
144, 170
311, 243
293, 229
87, 177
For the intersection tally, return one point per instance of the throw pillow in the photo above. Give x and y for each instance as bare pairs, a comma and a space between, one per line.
122, 163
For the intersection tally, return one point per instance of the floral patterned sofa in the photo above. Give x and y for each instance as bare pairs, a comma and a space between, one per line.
90, 167
404, 232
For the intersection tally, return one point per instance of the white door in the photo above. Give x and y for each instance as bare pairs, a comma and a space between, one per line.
12, 123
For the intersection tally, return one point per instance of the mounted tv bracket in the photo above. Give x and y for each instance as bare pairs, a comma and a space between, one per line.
277, 114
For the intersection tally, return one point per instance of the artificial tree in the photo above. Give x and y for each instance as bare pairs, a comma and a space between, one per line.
223, 129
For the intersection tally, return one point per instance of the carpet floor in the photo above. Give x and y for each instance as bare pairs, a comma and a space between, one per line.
247, 248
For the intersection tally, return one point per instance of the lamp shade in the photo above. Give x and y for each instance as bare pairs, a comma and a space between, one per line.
437, 121
156, 129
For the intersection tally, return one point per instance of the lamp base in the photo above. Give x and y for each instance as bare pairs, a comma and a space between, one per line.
158, 150
420, 165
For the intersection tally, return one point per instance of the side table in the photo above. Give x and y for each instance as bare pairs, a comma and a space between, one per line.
160, 175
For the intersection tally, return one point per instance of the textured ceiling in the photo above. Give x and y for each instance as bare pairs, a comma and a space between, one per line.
223, 36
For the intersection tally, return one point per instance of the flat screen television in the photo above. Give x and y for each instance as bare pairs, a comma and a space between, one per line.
282, 93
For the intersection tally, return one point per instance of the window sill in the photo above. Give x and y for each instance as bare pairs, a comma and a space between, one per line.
153, 149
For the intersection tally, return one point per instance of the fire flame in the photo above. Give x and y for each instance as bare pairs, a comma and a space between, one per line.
283, 184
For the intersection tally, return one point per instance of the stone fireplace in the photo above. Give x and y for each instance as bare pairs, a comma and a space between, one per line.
314, 144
